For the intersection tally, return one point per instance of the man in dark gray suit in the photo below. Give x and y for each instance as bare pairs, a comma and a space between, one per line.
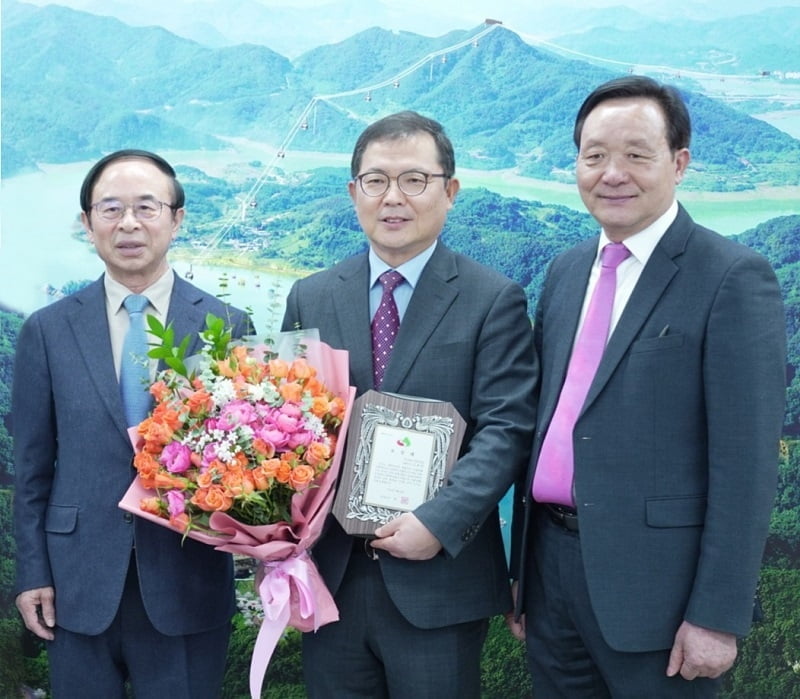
639, 540
414, 616
117, 598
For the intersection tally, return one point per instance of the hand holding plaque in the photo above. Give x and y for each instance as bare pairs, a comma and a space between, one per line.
400, 450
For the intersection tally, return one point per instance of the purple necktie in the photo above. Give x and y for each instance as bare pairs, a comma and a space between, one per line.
385, 325
552, 481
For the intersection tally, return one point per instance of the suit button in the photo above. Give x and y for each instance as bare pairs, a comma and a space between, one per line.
128, 517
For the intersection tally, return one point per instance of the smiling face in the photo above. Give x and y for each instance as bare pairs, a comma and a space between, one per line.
626, 172
398, 226
134, 251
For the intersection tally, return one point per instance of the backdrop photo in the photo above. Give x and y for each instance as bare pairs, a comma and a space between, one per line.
258, 104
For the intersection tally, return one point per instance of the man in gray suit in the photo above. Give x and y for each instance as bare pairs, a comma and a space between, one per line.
414, 604
639, 536
117, 598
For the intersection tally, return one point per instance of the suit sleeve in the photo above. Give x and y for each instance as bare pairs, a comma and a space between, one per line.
744, 385
502, 410
34, 433
291, 316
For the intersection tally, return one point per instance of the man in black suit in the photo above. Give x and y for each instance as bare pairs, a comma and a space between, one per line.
414, 617
638, 552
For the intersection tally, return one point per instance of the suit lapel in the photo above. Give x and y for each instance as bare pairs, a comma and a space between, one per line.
89, 323
351, 304
186, 314
655, 279
564, 312
432, 297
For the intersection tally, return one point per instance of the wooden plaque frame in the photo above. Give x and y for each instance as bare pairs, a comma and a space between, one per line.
399, 452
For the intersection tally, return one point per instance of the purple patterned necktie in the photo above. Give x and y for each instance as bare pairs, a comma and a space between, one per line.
385, 325
552, 481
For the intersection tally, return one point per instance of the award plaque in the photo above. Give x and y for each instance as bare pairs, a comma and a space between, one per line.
400, 450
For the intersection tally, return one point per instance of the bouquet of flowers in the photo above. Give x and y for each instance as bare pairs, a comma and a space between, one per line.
240, 452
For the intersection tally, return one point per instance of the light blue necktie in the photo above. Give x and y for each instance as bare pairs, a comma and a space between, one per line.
134, 369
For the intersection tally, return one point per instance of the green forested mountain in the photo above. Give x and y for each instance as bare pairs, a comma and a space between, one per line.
76, 85
779, 241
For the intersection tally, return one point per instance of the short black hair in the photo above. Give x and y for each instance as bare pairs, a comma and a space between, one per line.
126, 154
676, 115
400, 125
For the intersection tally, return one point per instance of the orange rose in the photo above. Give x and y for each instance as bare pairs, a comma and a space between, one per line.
263, 448
167, 415
315, 387
205, 479
300, 370
180, 522
199, 402
159, 391
146, 464
215, 498
317, 453
337, 407
261, 479
301, 476
270, 467
320, 405
225, 368
284, 472
291, 392
278, 368
164, 481
239, 354
151, 505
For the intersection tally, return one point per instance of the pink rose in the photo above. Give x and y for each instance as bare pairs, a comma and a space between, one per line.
176, 457
273, 436
176, 503
235, 413
291, 409
287, 423
209, 454
301, 438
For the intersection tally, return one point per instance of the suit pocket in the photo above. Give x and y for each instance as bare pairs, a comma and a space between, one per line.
61, 519
676, 512
654, 344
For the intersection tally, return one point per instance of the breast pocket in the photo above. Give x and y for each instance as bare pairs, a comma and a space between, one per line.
656, 344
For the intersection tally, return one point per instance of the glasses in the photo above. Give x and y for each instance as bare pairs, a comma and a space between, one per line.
145, 210
412, 183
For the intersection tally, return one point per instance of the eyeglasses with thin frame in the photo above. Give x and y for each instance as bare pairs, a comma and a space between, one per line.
144, 210
412, 183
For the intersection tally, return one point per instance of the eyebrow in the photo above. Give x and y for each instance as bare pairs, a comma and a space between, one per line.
637, 143
141, 197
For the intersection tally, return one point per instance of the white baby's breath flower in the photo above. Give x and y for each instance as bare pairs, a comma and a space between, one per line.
255, 392
223, 392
